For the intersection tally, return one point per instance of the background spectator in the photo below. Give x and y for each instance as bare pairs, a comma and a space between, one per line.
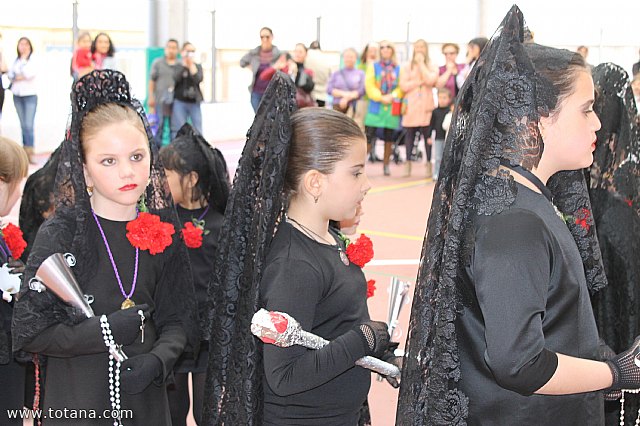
381, 84
103, 53
474, 48
417, 79
318, 63
346, 86
437, 120
82, 63
161, 86
187, 95
636, 67
635, 87
23, 85
3, 70
369, 56
450, 70
259, 59
294, 66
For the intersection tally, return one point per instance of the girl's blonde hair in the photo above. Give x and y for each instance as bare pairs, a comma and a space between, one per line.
105, 115
14, 163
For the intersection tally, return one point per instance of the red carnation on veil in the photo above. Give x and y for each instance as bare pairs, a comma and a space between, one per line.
148, 232
13, 236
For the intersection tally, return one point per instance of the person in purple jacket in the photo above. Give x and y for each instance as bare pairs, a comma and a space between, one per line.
347, 85
450, 73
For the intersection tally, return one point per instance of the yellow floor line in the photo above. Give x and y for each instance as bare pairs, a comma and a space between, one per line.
390, 235
405, 185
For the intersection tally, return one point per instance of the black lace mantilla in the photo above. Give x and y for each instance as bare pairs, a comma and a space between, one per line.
66, 230
614, 186
233, 392
496, 117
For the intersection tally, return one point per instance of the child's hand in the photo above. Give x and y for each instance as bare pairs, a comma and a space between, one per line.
429, 141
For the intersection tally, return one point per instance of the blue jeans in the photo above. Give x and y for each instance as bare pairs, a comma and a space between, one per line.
255, 100
181, 112
26, 109
438, 149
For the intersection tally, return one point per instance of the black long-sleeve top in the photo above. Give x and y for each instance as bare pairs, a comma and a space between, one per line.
308, 281
529, 301
437, 118
201, 258
77, 359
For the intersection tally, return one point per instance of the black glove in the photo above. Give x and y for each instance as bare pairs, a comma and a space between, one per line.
375, 337
625, 368
125, 323
137, 373
16, 266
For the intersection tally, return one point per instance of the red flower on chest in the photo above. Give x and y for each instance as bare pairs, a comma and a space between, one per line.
14, 238
148, 232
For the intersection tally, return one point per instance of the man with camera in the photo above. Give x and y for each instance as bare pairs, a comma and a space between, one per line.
187, 94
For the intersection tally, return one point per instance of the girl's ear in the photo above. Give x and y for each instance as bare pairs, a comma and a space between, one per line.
313, 183
87, 178
192, 180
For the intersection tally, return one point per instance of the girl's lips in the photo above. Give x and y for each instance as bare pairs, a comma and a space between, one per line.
128, 187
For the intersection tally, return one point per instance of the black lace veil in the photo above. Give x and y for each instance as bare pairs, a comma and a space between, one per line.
217, 184
67, 229
233, 391
37, 199
495, 120
616, 165
614, 186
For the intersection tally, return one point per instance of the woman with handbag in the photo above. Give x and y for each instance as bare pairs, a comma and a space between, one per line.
302, 77
347, 85
417, 79
383, 89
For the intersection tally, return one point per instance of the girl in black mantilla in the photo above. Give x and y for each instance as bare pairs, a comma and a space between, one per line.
130, 263
502, 331
614, 188
14, 165
298, 171
199, 181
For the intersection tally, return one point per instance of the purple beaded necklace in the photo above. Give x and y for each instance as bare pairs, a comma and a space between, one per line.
128, 302
203, 213
5, 251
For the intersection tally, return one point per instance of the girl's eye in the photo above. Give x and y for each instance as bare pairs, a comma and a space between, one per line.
357, 174
137, 157
108, 161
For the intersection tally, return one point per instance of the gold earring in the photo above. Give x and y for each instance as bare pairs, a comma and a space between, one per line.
90, 190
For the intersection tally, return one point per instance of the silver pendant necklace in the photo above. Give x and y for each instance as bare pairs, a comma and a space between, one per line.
309, 233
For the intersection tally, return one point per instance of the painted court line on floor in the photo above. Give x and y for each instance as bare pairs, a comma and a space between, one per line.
390, 235
405, 185
393, 262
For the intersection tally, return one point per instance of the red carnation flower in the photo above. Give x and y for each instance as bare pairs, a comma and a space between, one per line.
582, 218
371, 288
148, 232
192, 235
14, 238
629, 201
360, 252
